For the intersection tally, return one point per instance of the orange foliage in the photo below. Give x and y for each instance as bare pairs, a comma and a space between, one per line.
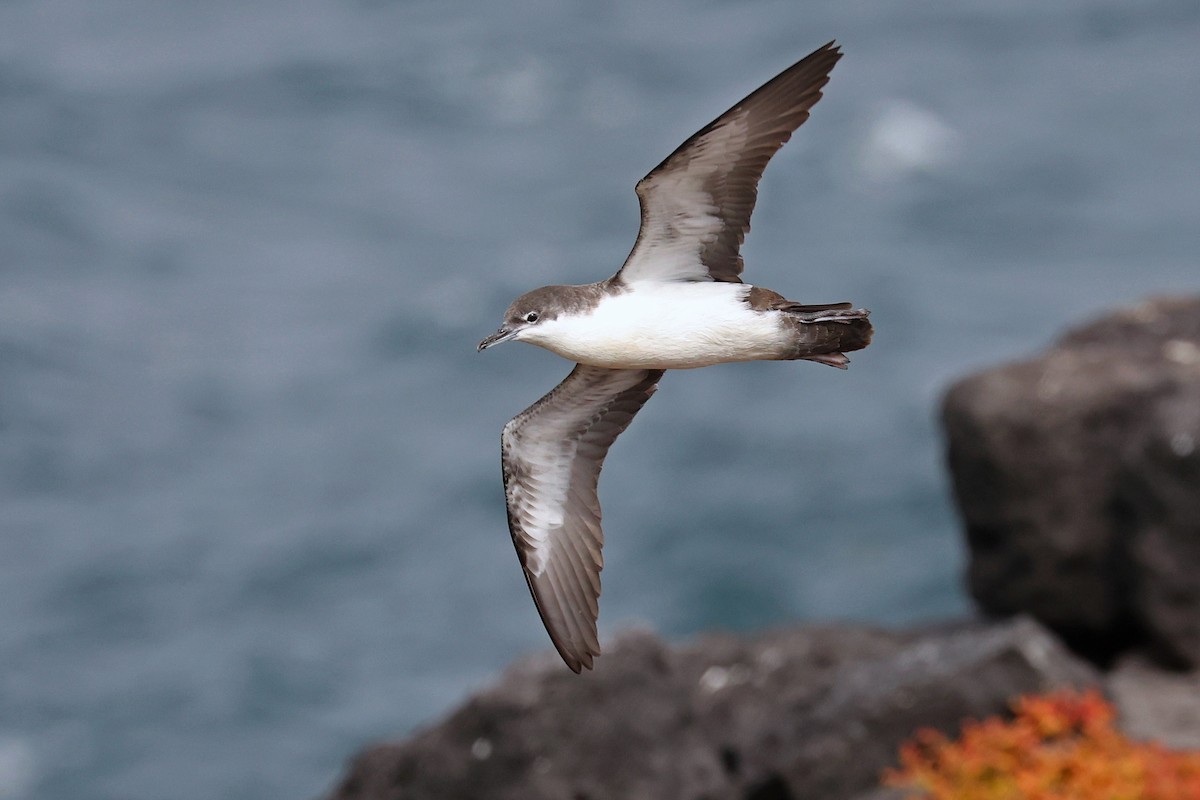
1061, 746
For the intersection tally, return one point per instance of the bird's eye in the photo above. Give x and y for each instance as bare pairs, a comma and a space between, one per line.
532, 316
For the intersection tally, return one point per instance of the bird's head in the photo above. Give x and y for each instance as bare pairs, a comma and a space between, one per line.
529, 316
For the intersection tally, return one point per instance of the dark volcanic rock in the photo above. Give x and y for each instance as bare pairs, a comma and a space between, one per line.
812, 714
1078, 477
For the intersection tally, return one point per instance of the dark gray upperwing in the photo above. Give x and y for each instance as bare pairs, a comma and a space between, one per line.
551, 454
696, 204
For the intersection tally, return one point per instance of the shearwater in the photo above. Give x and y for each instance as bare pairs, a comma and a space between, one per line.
677, 303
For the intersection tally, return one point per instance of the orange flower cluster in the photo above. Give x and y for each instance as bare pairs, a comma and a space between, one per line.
1061, 746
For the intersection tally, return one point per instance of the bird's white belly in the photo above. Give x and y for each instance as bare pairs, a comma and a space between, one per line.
668, 326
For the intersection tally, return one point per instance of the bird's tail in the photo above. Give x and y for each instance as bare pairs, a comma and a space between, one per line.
826, 333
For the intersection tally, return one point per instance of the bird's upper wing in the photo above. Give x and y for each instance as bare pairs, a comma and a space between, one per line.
696, 204
551, 454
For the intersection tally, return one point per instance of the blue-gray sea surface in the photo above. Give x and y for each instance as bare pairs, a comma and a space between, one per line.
251, 507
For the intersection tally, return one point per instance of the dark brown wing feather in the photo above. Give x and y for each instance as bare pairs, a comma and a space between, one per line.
696, 204
551, 454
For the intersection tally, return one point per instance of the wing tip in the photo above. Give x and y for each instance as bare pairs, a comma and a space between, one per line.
576, 661
830, 53
823, 59
832, 47
576, 658
577, 665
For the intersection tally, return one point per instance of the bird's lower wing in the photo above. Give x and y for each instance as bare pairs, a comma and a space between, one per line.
552, 453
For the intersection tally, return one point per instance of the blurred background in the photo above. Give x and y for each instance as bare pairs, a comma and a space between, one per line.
252, 517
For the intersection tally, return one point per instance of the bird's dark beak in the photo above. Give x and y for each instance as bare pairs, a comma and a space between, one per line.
503, 335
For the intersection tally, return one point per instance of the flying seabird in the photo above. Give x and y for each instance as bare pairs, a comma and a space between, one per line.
678, 302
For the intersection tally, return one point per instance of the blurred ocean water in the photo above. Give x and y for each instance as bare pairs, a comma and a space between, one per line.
252, 515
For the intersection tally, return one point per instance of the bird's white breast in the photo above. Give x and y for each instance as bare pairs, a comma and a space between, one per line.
677, 325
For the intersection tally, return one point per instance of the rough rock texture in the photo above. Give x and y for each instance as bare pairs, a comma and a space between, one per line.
810, 713
1078, 477
1158, 705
